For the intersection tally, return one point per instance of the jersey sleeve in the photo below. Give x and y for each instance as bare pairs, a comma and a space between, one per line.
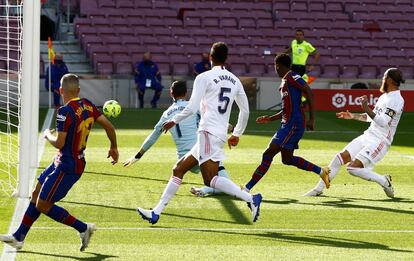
63, 119
193, 105
310, 48
388, 112
243, 104
155, 134
96, 113
298, 82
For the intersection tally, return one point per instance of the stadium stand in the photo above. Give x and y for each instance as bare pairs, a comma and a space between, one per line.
355, 38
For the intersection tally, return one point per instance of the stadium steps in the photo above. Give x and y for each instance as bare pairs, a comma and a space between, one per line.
73, 55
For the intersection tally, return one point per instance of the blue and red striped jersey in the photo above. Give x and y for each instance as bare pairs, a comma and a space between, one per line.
76, 118
291, 93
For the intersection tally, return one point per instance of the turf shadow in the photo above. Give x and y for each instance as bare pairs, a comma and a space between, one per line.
346, 203
133, 177
396, 200
228, 204
164, 214
315, 240
96, 257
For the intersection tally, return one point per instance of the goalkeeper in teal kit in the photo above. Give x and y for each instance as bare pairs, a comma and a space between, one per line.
184, 135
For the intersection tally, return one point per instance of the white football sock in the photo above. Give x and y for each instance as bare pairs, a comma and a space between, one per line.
368, 174
209, 190
169, 192
335, 165
228, 187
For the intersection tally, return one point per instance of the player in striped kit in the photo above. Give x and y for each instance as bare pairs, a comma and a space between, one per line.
368, 149
74, 122
292, 125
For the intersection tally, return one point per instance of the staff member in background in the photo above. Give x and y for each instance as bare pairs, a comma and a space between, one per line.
58, 69
147, 75
202, 66
300, 50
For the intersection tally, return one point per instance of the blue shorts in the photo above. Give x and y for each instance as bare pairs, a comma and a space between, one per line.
288, 136
55, 183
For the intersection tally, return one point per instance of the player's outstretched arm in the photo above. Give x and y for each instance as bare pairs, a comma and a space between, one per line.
110, 132
269, 118
57, 141
347, 115
149, 141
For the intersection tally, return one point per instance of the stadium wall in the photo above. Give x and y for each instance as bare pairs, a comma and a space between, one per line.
124, 91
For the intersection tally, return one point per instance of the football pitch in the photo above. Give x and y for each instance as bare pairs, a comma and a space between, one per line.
354, 220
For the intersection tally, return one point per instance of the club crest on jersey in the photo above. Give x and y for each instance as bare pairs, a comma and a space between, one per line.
60, 117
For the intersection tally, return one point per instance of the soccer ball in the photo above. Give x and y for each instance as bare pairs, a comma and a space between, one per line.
111, 108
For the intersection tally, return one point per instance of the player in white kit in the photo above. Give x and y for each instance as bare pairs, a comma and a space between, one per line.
368, 149
213, 95
183, 134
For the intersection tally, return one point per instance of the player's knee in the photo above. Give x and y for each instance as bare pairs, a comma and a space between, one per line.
345, 157
177, 171
43, 206
287, 160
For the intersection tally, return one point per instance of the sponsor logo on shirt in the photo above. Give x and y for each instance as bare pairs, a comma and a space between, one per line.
60, 117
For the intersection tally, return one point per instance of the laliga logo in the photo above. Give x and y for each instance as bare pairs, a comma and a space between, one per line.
339, 100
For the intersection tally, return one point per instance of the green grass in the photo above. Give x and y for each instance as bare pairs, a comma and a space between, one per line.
108, 195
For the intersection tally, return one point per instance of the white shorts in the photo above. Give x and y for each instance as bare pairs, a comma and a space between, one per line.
368, 149
208, 147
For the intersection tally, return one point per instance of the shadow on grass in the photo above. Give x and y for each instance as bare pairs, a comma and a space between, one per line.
96, 256
133, 177
163, 214
346, 203
315, 240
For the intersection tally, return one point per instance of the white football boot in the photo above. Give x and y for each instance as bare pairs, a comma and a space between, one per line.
388, 189
198, 192
86, 236
11, 241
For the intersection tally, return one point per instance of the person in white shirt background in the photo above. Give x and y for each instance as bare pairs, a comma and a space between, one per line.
369, 148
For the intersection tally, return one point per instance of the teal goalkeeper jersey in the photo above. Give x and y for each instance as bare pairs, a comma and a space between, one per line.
184, 133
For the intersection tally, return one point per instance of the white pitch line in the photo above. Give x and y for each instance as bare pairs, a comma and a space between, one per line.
240, 229
9, 253
324, 131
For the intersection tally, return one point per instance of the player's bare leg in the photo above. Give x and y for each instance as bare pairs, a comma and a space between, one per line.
289, 159
267, 158
209, 170
185, 164
340, 159
16, 240
356, 168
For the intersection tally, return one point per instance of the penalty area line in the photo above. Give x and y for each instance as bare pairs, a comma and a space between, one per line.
201, 229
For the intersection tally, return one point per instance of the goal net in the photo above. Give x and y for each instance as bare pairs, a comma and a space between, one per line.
11, 14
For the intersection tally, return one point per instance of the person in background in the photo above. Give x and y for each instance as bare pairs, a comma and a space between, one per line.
202, 66
300, 50
147, 75
57, 70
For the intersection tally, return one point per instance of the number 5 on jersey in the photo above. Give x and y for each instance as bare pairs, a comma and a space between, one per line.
224, 100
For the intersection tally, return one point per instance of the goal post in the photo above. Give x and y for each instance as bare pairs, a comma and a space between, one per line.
19, 94
29, 116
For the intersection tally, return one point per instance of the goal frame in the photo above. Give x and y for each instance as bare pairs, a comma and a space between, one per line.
29, 99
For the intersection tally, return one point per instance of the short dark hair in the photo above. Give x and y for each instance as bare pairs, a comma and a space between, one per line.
219, 52
284, 60
179, 89
396, 75
301, 31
